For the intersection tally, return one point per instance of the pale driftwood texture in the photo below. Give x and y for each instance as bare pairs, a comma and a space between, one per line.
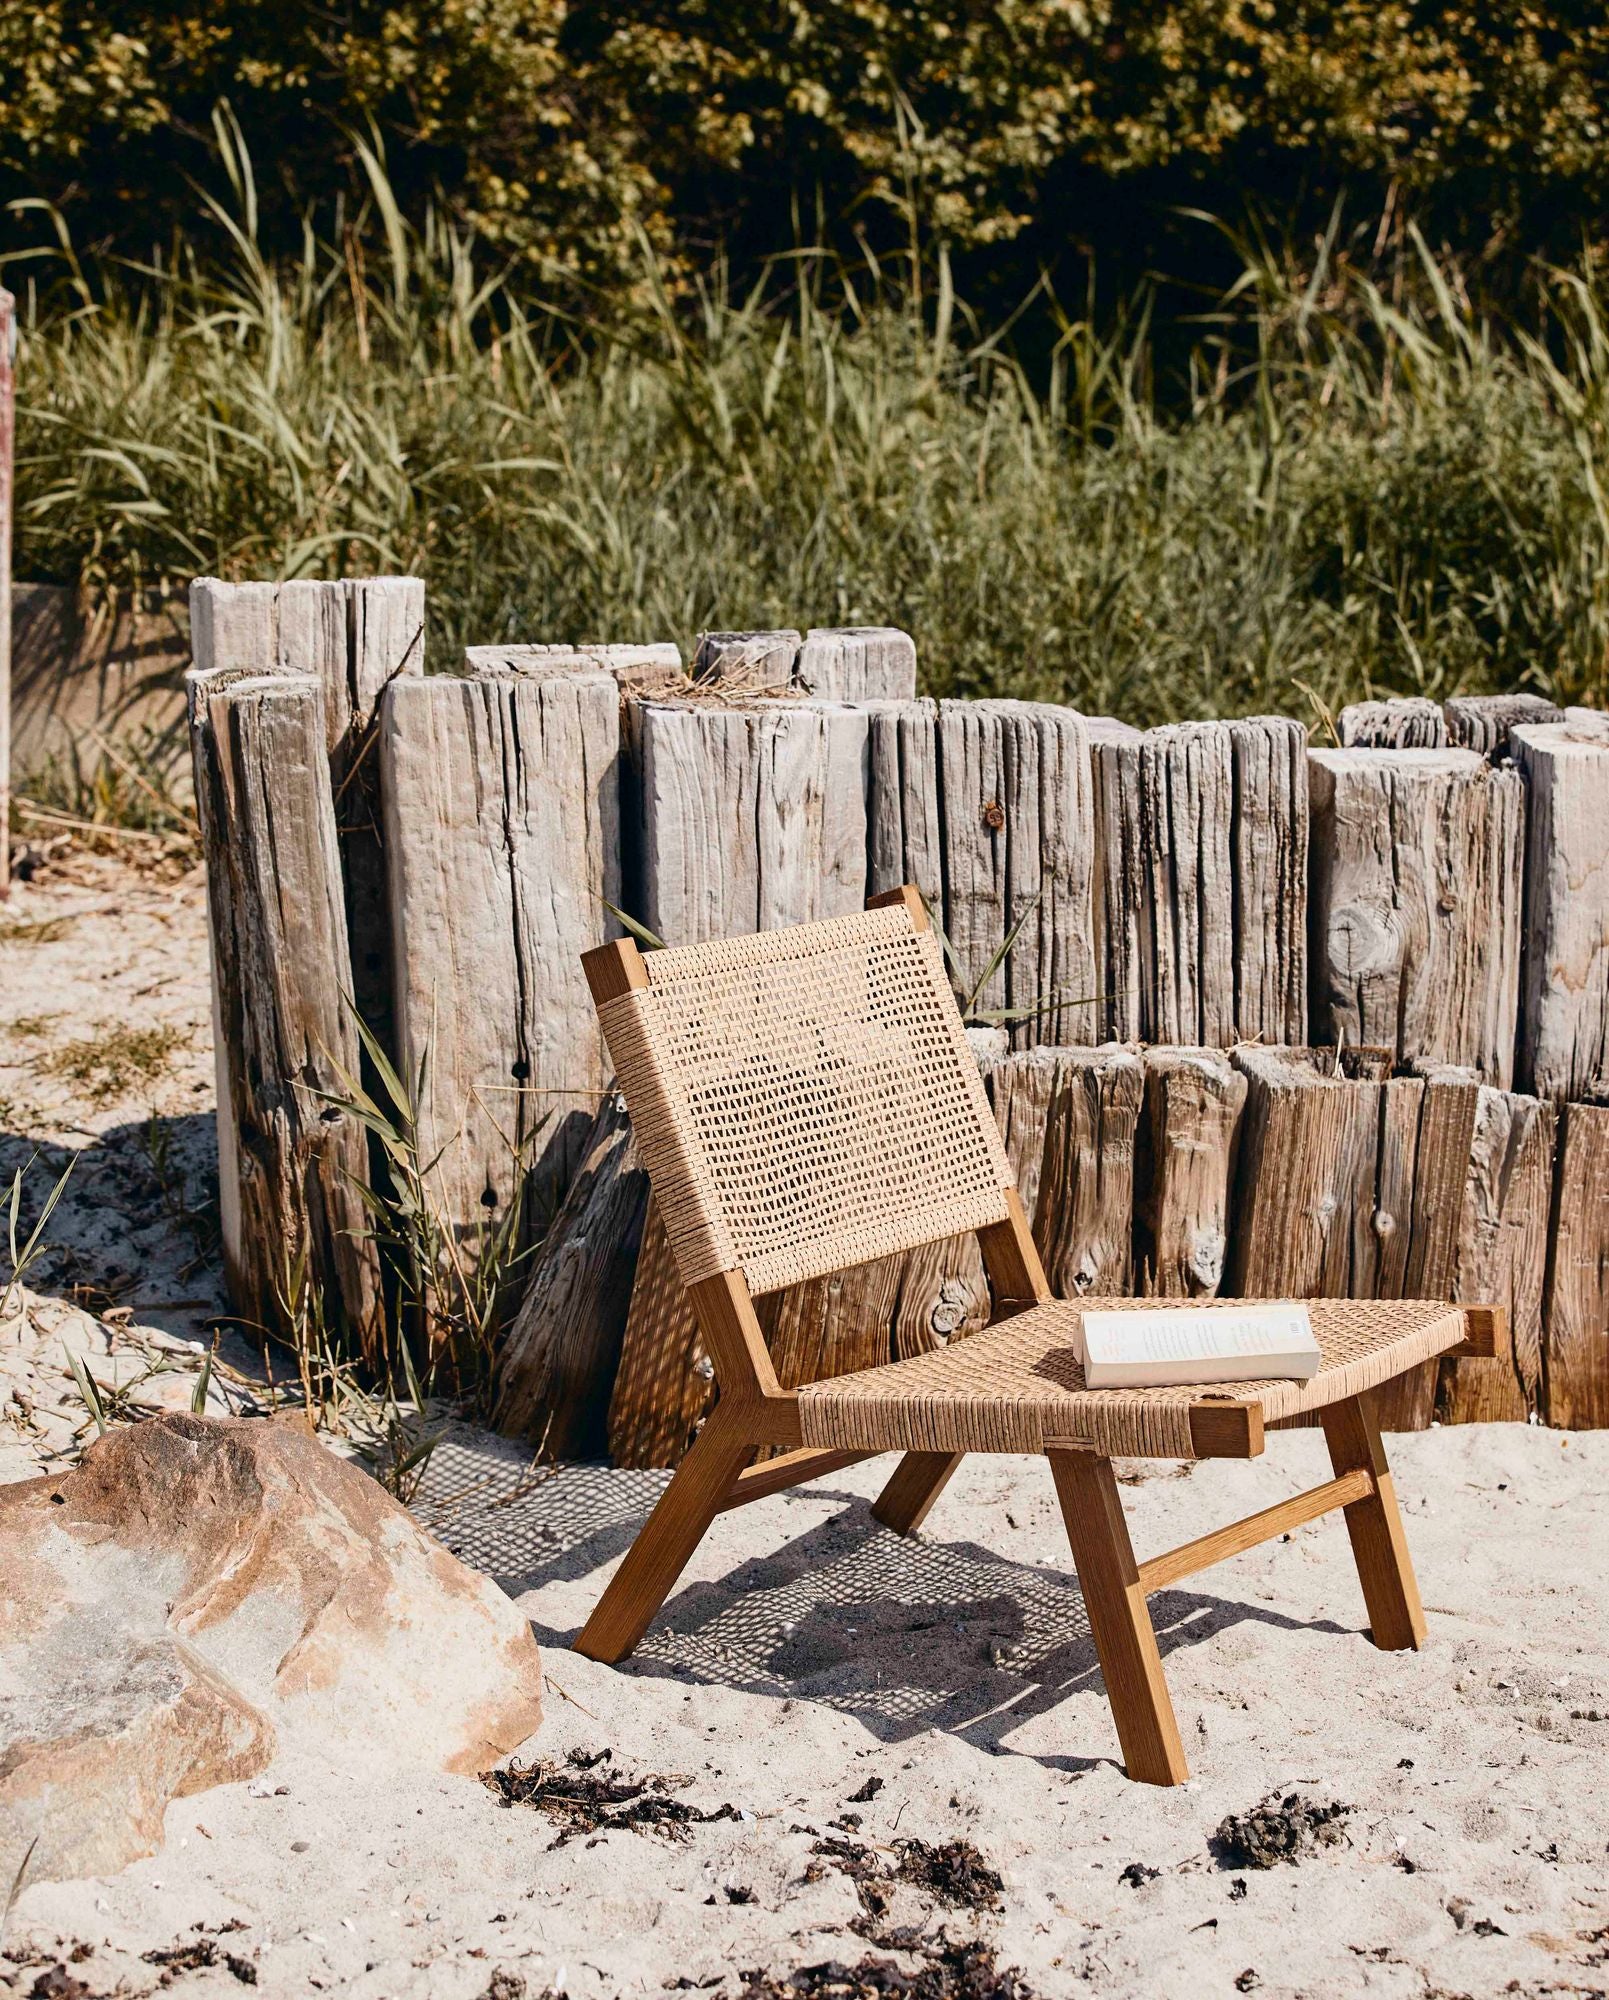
557, 1366
1270, 838
987, 808
1501, 1257
1482, 721
502, 848
1564, 1010
751, 817
356, 636
1184, 1172
643, 668
747, 659
1201, 831
1408, 722
858, 663
1416, 870
8, 438
1576, 1359
1165, 898
295, 1234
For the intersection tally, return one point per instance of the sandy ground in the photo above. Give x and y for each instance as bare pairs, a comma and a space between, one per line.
810, 1656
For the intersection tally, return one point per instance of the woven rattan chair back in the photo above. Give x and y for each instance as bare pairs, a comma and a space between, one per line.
805, 1099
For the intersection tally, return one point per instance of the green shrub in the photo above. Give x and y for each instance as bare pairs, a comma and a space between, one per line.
1019, 132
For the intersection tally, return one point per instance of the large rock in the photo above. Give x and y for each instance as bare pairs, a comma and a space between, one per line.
198, 1591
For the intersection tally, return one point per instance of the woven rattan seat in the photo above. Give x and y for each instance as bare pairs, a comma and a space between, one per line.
804, 1101
1019, 1386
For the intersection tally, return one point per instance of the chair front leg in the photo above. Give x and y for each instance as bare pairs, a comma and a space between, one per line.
1119, 1621
695, 1495
1374, 1523
914, 1484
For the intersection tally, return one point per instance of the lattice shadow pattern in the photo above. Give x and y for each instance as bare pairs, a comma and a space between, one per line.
905, 1634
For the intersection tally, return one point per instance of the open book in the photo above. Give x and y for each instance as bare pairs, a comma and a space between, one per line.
1164, 1347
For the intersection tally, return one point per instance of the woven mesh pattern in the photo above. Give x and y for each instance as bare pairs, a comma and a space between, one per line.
1020, 1383
805, 1099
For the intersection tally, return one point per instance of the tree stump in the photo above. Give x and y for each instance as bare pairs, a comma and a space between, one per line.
1406, 722
1575, 1367
296, 1238
1564, 1009
987, 808
1184, 1171
1416, 862
502, 846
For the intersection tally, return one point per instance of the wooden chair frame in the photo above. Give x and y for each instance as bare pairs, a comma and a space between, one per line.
753, 1411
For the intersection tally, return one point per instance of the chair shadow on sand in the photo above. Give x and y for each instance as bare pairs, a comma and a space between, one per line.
907, 1634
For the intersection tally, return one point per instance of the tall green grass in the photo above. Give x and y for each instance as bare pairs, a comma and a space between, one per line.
1349, 483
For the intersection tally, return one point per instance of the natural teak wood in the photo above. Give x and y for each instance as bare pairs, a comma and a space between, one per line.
1114, 1601
1379, 1546
1159, 1571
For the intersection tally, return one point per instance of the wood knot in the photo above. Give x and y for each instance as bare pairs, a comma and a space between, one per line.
994, 815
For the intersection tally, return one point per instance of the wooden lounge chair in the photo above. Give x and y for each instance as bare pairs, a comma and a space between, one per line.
805, 1100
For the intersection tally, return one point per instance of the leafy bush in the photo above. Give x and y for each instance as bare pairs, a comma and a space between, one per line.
1018, 131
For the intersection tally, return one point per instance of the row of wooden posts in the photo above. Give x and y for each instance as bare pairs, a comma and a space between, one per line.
1271, 1019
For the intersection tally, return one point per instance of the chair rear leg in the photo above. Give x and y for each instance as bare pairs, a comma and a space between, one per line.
915, 1483
671, 1533
1379, 1546
1131, 1666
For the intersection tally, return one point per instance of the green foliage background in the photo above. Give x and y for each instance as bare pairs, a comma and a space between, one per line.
1027, 129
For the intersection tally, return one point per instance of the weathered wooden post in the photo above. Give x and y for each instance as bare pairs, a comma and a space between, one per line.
1184, 1174
1564, 1010
1201, 898
296, 1239
1575, 1367
1416, 879
8, 440
1403, 722
1483, 721
355, 636
1351, 1181
987, 807
857, 663
1502, 1255
647, 668
502, 851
